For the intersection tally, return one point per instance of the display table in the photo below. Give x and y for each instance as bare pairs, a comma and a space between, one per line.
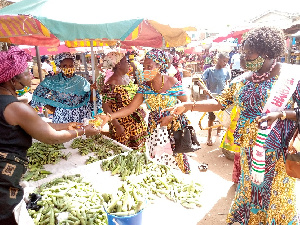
162, 211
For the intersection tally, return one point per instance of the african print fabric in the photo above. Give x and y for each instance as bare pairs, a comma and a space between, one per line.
61, 91
120, 96
155, 103
12, 168
70, 96
273, 201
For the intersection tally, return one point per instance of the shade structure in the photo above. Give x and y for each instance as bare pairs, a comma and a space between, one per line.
89, 23
150, 33
70, 20
25, 30
234, 34
50, 50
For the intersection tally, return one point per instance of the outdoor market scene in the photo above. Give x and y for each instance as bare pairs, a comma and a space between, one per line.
142, 113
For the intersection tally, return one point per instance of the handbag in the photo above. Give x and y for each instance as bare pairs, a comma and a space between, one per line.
185, 140
158, 142
292, 163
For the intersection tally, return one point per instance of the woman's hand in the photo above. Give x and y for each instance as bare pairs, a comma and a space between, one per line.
177, 109
105, 118
73, 125
90, 130
165, 121
270, 117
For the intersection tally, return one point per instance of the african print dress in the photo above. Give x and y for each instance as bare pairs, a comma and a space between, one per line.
273, 201
155, 103
134, 125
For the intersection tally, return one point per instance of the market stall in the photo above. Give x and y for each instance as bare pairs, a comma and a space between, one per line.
159, 211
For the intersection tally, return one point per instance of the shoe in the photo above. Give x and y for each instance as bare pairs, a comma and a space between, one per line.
203, 167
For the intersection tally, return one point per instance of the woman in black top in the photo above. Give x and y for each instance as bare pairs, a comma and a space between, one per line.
19, 123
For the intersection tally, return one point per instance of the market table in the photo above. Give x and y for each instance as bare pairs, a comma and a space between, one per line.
162, 211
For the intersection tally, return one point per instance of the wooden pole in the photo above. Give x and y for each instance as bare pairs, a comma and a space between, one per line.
38, 60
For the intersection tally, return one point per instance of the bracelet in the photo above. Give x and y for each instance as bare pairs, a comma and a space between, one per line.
76, 133
108, 114
83, 130
283, 115
193, 106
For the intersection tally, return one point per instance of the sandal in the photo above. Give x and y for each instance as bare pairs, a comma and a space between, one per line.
203, 167
209, 143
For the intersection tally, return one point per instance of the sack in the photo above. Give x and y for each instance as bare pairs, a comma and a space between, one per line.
292, 163
186, 140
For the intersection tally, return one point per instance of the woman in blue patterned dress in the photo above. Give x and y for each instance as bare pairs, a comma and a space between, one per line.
265, 194
66, 94
158, 92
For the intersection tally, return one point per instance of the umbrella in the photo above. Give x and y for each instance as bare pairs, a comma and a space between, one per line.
234, 34
82, 23
157, 35
49, 50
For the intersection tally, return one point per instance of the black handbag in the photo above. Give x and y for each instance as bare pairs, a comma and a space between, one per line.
185, 140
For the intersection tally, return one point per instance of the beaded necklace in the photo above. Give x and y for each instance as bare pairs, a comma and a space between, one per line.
258, 78
162, 85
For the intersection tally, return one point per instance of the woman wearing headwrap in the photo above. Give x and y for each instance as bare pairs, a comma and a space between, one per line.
158, 92
19, 123
66, 94
117, 92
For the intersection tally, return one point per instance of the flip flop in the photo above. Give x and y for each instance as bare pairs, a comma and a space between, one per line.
203, 167
209, 143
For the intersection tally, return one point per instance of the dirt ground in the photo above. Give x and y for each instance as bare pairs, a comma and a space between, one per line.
220, 169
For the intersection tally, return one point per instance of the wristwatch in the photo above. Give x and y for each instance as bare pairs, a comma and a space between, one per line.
283, 115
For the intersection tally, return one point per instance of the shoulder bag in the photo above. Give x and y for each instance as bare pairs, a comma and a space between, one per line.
292, 163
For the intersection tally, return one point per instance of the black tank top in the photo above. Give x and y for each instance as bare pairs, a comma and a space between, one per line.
13, 139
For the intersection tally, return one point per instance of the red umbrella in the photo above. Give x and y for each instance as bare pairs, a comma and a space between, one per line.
50, 50
233, 34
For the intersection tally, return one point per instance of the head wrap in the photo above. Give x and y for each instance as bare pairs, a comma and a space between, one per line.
159, 57
112, 59
61, 56
12, 63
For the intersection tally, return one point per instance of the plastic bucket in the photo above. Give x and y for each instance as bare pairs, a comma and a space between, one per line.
135, 219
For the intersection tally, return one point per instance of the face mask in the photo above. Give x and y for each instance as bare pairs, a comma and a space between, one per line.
256, 64
148, 75
68, 71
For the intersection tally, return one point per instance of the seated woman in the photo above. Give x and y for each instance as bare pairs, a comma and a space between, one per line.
117, 92
159, 92
66, 94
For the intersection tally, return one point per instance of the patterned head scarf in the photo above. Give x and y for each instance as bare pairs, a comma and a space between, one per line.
61, 56
12, 63
159, 57
112, 59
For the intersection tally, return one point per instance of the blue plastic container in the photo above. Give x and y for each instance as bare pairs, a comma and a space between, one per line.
135, 219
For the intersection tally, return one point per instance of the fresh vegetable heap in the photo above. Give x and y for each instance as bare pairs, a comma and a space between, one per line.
151, 179
40, 154
69, 200
127, 201
102, 147
126, 165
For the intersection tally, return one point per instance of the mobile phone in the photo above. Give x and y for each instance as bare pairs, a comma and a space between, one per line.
263, 125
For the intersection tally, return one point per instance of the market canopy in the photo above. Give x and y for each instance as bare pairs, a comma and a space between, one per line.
238, 35
63, 20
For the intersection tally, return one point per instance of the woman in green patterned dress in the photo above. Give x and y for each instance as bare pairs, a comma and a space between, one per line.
158, 92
